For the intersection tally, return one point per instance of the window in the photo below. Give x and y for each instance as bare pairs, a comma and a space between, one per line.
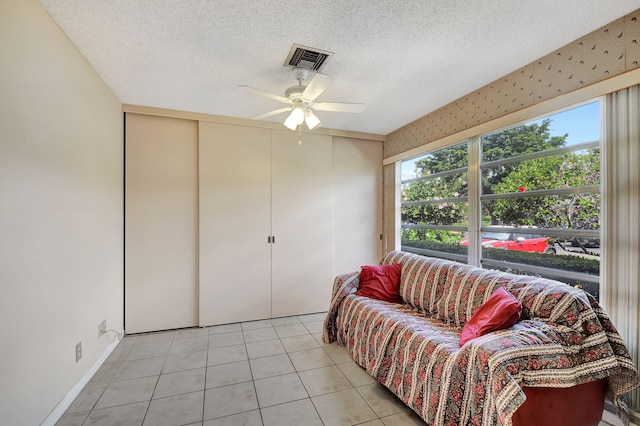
538, 204
435, 203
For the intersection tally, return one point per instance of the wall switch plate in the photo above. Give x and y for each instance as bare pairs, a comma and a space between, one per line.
78, 351
102, 328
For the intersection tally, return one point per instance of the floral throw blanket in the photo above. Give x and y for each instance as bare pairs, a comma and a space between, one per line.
563, 339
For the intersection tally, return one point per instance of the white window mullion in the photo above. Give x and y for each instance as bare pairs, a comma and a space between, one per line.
475, 205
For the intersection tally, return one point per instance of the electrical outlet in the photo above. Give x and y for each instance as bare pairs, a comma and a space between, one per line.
78, 351
102, 328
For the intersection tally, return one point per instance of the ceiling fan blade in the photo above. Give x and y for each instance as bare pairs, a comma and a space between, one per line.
338, 107
272, 113
265, 94
317, 85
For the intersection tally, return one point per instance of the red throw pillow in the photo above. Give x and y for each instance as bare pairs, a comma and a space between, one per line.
381, 282
500, 311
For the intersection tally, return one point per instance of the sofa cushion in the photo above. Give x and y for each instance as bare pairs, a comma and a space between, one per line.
381, 282
501, 311
466, 289
423, 278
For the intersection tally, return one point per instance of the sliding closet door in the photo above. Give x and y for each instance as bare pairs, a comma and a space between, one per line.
302, 223
235, 223
357, 203
160, 223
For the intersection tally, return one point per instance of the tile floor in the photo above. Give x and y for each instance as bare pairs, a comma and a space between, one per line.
270, 372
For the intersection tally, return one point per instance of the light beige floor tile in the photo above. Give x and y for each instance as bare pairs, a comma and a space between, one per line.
148, 350
105, 373
407, 418
228, 400
191, 344
226, 339
252, 325
130, 415
228, 374
128, 340
381, 400
270, 366
225, 328
188, 333
259, 335
119, 354
291, 414
87, 398
72, 419
227, 354
289, 330
356, 374
118, 397
175, 410
155, 337
299, 343
372, 423
312, 317
279, 389
337, 353
266, 348
186, 361
309, 359
127, 392
139, 368
284, 321
249, 418
314, 326
324, 380
343, 408
180, 382
318, 337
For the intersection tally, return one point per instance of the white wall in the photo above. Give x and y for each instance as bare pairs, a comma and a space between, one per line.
357, 204
61, 213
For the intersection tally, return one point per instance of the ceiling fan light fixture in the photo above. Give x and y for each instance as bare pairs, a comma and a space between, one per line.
311, 120
301, 100
295, 118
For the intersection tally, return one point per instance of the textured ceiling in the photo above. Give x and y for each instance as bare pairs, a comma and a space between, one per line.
401, 58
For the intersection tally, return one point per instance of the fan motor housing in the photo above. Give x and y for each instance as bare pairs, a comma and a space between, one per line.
295, 92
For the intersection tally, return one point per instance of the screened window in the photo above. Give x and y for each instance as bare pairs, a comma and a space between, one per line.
541, 181
435, 203
538, 203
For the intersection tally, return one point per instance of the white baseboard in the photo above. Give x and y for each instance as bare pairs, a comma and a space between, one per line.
62, 406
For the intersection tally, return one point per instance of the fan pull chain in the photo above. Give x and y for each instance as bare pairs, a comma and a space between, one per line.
300, 134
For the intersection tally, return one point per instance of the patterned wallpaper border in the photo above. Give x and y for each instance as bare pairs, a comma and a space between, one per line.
609, 51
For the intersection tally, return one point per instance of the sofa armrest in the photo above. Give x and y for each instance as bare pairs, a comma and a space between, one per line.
343, 285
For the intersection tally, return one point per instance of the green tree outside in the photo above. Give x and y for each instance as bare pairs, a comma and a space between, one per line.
578, 211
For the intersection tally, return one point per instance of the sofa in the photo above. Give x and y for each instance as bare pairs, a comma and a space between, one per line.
555, 365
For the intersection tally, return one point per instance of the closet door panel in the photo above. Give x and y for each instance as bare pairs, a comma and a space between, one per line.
235, 221
302, 223
160, 223
357, 203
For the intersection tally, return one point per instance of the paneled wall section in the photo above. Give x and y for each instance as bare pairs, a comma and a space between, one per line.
604, 53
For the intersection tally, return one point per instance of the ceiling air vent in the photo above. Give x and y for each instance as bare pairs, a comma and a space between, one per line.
307, 57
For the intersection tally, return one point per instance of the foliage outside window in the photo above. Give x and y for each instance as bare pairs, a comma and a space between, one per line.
539, 201
434, 203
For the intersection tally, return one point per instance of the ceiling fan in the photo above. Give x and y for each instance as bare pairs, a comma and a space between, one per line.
302, 102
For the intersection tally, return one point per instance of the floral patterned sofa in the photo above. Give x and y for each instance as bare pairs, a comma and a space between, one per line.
561, 357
